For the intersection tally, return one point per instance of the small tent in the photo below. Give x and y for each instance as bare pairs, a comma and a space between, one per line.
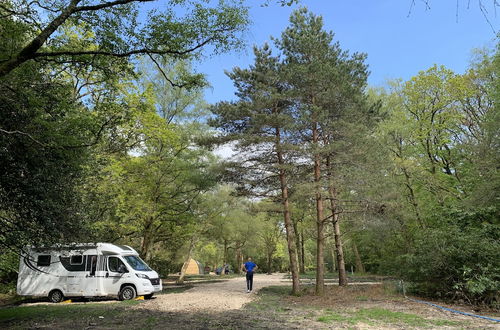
194, 267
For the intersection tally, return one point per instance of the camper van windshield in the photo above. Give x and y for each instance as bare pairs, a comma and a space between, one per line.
136, 263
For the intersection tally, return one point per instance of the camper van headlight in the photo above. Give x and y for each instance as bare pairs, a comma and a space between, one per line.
139, 275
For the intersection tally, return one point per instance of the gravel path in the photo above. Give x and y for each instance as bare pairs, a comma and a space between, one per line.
218, 296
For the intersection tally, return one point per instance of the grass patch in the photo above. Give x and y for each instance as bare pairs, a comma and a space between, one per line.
10, 299
333, 317
61, 311
129, 302
383, 316
277, 300
387, 316
150, 322
270, 299
276, 290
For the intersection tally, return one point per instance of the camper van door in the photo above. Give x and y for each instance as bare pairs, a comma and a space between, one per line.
90, 282
115, 271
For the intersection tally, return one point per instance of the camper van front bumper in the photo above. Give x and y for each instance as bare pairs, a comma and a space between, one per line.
147, 287
157, 285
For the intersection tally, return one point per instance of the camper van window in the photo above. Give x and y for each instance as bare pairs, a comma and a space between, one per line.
76, 260
136, 263
43, 260
115, 264
66, 262
92, 264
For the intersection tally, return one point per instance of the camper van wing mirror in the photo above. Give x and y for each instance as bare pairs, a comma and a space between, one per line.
122, 269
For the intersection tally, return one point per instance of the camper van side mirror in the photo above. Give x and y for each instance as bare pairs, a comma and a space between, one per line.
122, 269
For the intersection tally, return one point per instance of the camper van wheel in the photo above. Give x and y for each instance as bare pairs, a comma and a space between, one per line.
56, 296
127, 293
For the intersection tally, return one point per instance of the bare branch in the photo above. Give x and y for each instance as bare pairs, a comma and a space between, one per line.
24, 134
164, 74
107, 5
125, 54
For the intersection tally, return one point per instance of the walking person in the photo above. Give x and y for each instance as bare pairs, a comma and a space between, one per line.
249, 267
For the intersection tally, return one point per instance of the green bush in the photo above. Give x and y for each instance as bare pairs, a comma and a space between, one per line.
9, 265
164, 266
455, 262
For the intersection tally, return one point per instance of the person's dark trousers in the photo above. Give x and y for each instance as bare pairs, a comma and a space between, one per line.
249, 280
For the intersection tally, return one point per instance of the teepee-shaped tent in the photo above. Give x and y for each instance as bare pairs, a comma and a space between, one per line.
194, 267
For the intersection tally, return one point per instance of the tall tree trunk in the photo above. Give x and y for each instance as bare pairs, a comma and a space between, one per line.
180, 280
298, 244
336, 225
302, 253
340, 251
411, 194
334, 258
411, 198
147, 241
226, 249
290, 233
338, 238
145, 246
359, 264
239, 260
269, 262
320, 219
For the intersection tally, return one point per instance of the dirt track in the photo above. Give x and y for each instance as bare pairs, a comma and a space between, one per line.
220, 305
219, 296
224, 300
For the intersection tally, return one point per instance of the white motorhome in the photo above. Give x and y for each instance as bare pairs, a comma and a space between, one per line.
86, 270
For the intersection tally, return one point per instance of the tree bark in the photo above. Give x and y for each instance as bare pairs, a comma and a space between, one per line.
28, 52
340, 251
359, 264
290, 233
302, 253
147, 241
269, 262
180, 280
226, 248
334, 258
320, 219
145, 247
239, 260
338, 238
298, 244
336, 225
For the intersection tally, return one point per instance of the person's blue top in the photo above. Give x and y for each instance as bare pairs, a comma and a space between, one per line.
249, 266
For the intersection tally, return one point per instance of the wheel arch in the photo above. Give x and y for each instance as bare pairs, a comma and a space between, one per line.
128, 284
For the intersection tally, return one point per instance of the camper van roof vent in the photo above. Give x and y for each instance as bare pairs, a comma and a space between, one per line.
124, 247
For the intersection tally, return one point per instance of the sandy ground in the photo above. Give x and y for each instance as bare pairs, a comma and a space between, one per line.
230, 296
220, 305
218, 296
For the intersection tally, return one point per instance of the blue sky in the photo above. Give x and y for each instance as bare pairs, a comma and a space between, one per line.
398, 45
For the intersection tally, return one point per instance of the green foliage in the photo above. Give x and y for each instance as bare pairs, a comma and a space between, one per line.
435, 186
76, 31
43, 133
455, 262
90, 149
164, 265
9, 265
